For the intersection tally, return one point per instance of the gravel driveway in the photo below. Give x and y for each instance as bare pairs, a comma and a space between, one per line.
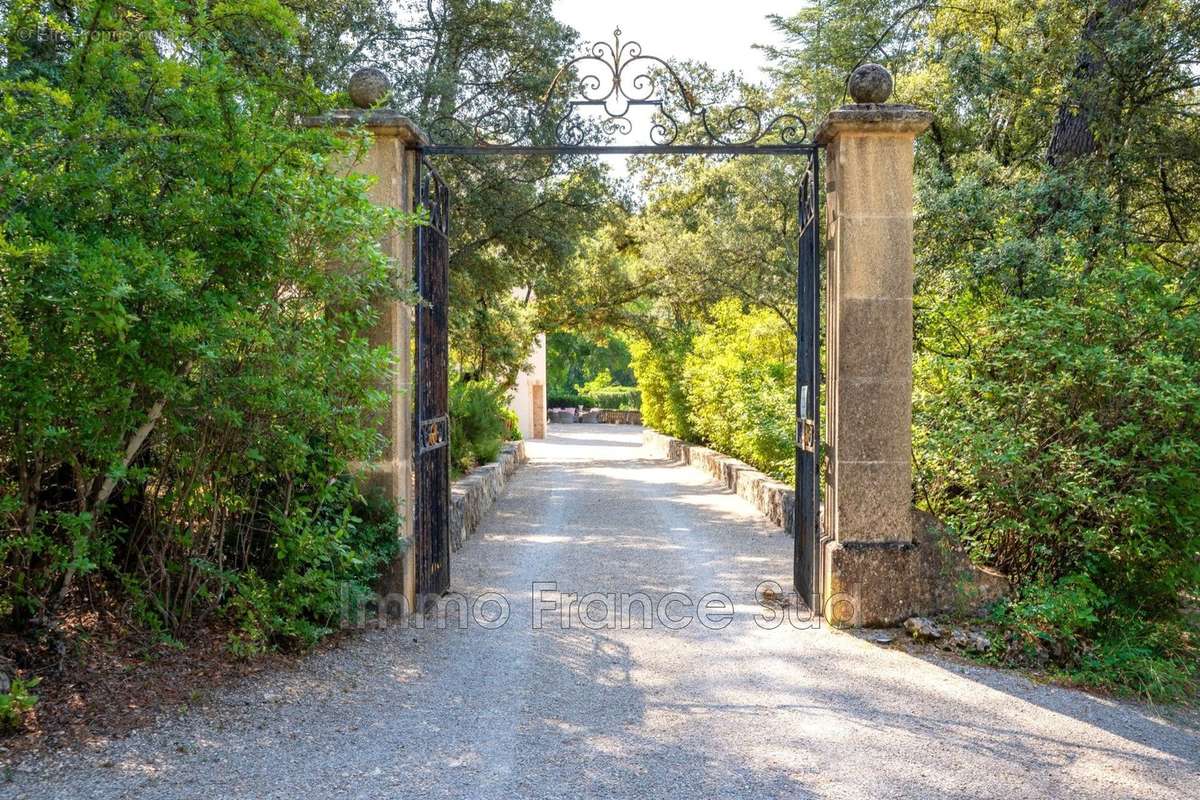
636, 703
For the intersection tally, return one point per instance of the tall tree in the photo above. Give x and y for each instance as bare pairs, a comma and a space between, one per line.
516, 221
1073, 136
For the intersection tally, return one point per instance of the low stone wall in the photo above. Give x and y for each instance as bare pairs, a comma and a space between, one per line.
473, 494
774, 499
615, 417
867, 584
605, 415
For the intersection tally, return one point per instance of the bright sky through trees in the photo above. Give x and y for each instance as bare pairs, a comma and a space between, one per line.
717, 33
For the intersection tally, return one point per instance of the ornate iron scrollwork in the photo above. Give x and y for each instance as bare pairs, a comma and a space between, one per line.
614, 78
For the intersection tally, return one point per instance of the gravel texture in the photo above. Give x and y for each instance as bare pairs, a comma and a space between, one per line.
646, 711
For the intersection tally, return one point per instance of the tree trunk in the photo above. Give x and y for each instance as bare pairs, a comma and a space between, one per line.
1073, 136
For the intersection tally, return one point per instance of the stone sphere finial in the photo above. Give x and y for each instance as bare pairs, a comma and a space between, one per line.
368, 87
870, 83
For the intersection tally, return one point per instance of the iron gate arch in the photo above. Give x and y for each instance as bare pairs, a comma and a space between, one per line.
627, 80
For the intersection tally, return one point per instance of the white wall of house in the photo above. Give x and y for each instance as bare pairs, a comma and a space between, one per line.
528, 399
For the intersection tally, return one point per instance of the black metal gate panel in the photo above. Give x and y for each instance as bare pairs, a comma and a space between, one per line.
807, 517
431, 417
585, 105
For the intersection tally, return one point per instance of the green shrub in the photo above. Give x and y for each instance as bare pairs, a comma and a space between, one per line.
324, 558
1065, 450
658, 366
16, 702
730, 385
619, 398
566, 400
480, 422
182, 371
1080, 634
599, 382
740, 385
512, 424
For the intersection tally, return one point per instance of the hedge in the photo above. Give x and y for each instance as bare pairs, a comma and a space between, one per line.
616, 398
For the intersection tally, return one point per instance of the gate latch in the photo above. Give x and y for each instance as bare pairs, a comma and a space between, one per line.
807, 434
432, 434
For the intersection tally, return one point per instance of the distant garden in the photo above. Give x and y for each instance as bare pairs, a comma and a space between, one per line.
590, 372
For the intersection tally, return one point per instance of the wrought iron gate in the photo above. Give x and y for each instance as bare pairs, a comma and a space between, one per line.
595, 98
431, 428
807, 518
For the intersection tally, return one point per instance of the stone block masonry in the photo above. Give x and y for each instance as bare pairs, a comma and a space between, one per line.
869, 208
937, 575
773, 498
615, 417
391, 160
473, 495
875, 548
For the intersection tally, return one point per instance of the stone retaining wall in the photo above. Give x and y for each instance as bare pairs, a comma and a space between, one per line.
884, 582
774, 499
616, 417
473, 494
605, 415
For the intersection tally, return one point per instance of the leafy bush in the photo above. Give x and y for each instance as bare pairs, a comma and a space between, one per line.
1065, 450
732, 385
566, 400
1077, 632
183, 375
602, 392
658, 366
620, 398
480, 422
599, 382
322, 561
15, 702
613, 397
740, 384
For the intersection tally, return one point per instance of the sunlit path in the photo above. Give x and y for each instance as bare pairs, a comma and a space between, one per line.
634, 705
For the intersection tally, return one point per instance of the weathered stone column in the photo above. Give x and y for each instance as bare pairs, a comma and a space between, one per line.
868, 504
392, 160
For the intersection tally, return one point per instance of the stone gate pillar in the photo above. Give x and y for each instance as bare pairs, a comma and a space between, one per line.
391, 159
868, 503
